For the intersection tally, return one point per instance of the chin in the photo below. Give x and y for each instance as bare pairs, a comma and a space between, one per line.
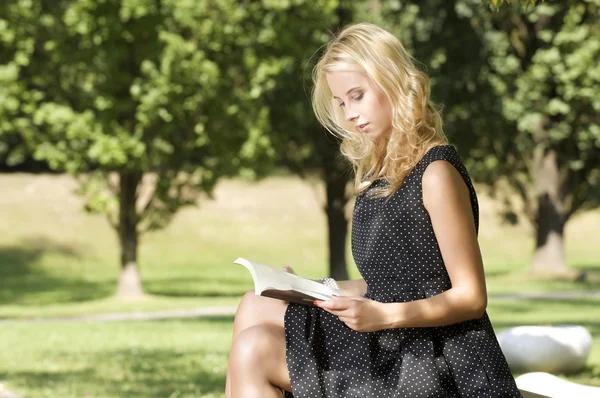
375, 135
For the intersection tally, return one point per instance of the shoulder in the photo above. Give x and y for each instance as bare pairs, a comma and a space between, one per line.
440, 171
441, 165
442, 180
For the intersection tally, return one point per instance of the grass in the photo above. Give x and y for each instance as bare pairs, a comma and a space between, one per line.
126, 359
188, 358
57, 261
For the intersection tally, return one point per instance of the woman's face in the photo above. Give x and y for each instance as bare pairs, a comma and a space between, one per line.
365, 105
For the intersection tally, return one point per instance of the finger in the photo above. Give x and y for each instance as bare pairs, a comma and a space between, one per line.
341, 302
289, 269
325, 304
349, 322
337, 305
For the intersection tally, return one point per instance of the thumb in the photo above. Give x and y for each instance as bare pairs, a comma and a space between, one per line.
289, 269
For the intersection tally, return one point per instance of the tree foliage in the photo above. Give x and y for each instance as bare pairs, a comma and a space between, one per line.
520, 88
544, 65
149, 102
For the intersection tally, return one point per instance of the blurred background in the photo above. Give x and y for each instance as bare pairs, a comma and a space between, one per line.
146, 144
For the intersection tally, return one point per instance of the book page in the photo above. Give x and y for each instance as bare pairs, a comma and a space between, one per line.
266, 277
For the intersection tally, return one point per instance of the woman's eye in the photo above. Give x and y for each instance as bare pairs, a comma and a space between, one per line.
341, 104
358, 97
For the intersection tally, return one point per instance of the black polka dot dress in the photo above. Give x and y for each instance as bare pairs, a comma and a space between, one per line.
396, 252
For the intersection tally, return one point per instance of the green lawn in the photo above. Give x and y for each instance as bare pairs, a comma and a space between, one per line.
129, 359
188, 358
57, 261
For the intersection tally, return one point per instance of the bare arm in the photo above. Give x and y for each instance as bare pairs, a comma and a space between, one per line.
446, 198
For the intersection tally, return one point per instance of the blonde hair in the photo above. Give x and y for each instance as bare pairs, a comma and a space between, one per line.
416, 121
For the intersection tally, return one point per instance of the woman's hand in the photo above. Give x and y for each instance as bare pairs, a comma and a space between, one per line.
289, 270
358, 313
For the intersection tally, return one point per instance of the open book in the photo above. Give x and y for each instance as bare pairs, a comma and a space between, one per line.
278, 284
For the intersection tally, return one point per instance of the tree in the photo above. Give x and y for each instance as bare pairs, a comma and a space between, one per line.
149, 103
520, 100
544, 66
303, 146
496, 4
336, 173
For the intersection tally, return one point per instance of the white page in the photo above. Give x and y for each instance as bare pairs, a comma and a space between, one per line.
268, 277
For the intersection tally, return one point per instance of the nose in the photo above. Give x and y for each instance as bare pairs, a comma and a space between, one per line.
351, 115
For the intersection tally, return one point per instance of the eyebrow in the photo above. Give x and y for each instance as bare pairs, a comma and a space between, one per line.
348, 92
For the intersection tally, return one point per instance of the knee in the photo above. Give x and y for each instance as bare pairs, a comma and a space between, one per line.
256, 310
253, 345
246, 302
246, 306
248, 298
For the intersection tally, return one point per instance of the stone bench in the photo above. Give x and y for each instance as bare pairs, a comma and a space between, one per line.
552, 349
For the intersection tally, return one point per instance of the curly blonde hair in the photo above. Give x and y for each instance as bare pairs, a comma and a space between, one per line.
416, 121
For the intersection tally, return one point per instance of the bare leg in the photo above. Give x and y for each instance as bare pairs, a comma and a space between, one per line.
258, 367
254, 310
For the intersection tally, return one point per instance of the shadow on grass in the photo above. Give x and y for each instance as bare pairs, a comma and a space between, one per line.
592, 273
496, 273
197, 287
587, 267
132, 373
216, 320
591, 326
24, 283
582, 305
581, 311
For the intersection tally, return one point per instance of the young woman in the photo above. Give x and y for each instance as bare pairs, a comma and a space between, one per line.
416, 325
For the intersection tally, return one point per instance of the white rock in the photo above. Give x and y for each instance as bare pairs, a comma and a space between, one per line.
552, 349
548, 385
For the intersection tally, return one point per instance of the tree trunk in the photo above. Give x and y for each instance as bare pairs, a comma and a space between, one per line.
549, 256
337, 225
130, 285
334, 174
336, 179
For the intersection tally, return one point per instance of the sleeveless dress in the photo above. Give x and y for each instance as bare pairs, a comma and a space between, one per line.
396, 252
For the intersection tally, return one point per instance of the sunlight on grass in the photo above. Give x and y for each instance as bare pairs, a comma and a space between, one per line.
129, 359
72, 269
57, 261
276, 221
111, 305
188, 358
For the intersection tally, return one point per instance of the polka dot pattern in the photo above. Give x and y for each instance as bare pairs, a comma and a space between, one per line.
396, 252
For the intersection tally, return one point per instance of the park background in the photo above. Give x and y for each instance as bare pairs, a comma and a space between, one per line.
145, 144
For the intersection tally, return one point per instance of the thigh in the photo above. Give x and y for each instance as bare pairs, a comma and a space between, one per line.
257, 310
